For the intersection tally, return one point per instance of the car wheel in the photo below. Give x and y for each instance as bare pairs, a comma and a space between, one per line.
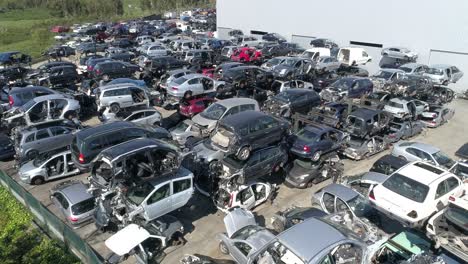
32, 154
317, 156
277, 226
223, 248
244, 153
38, 180
115, 108
403, 158
445, 83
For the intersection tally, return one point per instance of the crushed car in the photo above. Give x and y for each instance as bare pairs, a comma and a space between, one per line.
286, 104
246, 196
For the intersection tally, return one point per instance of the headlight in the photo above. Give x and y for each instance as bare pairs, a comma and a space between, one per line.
283, 71
302, 177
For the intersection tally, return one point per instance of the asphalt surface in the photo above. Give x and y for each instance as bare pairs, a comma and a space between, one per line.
203, 223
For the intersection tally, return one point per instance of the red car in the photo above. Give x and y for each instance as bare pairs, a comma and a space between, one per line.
246, 54
209, 72
195, 106
59, 29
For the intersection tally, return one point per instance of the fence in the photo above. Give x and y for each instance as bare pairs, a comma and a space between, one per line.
51, 223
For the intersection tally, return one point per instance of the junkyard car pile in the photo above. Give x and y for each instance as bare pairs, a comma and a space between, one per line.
247, 114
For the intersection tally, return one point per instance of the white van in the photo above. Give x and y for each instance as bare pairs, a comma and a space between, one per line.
314, 53
353, 56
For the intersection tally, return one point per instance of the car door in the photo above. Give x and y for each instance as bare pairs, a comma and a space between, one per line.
420, 106
124, 97
70, 167
59, 164
159, 202
253, 165
138, 118
246, 198
456, 74
41, 143
301, 104
443, 192
182, 190
61, 202
60, 136
412, 154
239, 250
195, 85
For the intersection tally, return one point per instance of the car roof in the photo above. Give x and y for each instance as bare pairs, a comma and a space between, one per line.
118, 85
301, 238
132, 145
440, 66
343, 192
17, 90
49, 97
316, 127
242, 118
235, 102
391, 70
91, 131
392, 160
76, 192
365, 113
422, 172
423, 146
412, 65
194, 75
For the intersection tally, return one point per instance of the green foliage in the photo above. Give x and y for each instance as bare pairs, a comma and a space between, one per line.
20, 243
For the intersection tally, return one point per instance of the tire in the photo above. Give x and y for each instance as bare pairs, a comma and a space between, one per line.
32, 154
115, 108
316, 156
38, 180
223, 248
403, 158
445, 83
244, 153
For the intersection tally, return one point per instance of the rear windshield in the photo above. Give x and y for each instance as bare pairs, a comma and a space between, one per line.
180, 80
83, 207
407, 187
405, 69
307, 135
458, 216
396, 105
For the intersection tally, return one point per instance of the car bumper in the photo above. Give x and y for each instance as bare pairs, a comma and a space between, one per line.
295, 183
403, 220
430, 124
302, 154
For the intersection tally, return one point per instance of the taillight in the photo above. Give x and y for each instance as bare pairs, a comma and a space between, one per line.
73, 219
231, 199
175, 88
371, 195
413, 214
81, 158
11, 101
451, 198
98, 71
306, 149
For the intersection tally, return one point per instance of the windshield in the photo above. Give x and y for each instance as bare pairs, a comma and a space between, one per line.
360, 206
407, 187
275, 61
458, 216
284, 96
289, 62
443, 159
39, 160
214, 112
394, 104
180, 80
406, 69
182, 126
83, 206
308, 54
138, 193
305, 163
306, 135
384, 75
342, 84
435, 71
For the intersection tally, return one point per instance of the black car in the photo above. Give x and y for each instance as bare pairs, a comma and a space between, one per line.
364, 122
347, 87
323, 43
273, 37
114, 69
84, 59
60, 51
291, 101
251, 74
14, 58
88, 143
124, 56
282, 49
59, 76
7, 148
388, 164
293, 216
160, 65
352, 70
331, 114
242, 133
262, 162
13, 73
122, 43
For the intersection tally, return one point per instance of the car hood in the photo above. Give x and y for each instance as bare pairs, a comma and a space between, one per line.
462, 152
279, 68
205, 122
206, 153
27, 168
126, 239
297, 171
238, 219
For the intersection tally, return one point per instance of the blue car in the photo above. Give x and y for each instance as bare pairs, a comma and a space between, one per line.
314, 140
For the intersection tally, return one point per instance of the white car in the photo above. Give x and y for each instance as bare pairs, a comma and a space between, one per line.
406, 108
281, 86
351, 56
415, 192
399, 53
243, 196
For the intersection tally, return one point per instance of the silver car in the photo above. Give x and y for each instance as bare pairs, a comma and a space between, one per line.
281, 86
400, 53
207, 153
416, 151
183, 132
48, 166
414, 68
170, 76
207, 120
327, 64
120, 96
443, 74
75, 203
436, 116
42, 109
406, 108
271, 63
34, 141
148, 116
197, 83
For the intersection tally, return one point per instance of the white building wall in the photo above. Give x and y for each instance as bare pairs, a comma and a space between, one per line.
430, 27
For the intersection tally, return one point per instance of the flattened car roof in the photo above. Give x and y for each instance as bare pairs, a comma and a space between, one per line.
462, 152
